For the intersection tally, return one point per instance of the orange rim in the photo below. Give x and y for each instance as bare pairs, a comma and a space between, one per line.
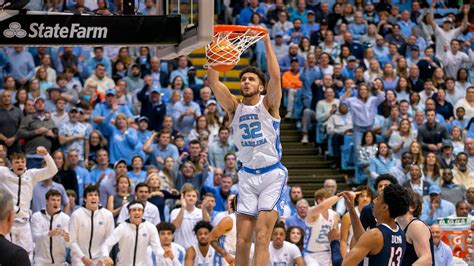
240, 30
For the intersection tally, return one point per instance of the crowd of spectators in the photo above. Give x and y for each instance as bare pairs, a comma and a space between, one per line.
381, 86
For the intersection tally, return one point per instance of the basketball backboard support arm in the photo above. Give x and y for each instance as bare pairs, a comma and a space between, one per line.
197, 36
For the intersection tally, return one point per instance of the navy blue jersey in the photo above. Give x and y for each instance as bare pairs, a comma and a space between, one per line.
410, 255
367, 217
394, 245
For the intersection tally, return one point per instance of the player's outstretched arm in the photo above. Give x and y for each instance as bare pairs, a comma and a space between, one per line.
349, 198
371, 242
228, 101
274, 94
313, 213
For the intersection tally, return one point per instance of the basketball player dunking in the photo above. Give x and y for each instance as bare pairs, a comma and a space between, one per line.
256, 131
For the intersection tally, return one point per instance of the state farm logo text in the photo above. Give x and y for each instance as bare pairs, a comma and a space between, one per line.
40, 30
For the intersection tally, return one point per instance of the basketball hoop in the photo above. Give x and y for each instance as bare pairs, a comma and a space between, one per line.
228, 44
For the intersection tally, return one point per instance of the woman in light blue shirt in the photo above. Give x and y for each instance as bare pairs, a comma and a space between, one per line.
390, 80
383, 161
403, 89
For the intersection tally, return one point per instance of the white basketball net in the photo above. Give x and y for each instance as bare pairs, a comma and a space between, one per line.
240, 40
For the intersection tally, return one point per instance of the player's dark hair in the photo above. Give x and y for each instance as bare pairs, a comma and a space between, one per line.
202, 224
397, 199
415, 202
387, 177
91, 189
256, 71
165, 226
142, 184
52, 193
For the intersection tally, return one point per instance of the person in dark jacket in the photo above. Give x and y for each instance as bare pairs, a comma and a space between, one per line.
431, 134
11, 253
37, 130
188, 174
152, 106
428, 64
446, 159
417, 84
416, 182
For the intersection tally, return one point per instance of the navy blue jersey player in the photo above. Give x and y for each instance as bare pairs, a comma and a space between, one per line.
385, 244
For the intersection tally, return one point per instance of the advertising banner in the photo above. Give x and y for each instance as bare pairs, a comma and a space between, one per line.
457, 234
68, 29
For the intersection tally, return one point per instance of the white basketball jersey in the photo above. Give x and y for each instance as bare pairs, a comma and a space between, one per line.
204, 260
256, 133
316, 235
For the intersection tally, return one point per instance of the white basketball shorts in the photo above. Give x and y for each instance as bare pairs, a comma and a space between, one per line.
262, 189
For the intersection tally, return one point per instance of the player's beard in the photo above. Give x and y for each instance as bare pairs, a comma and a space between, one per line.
249, 94
203, 243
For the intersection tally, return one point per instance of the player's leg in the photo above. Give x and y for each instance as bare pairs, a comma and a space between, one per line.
247, 211
245, 227
271, 203
263, 231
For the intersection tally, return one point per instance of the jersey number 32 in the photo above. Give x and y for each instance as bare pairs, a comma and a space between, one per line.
252, 130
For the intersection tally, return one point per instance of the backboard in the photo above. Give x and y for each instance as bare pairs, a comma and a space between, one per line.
180, 27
